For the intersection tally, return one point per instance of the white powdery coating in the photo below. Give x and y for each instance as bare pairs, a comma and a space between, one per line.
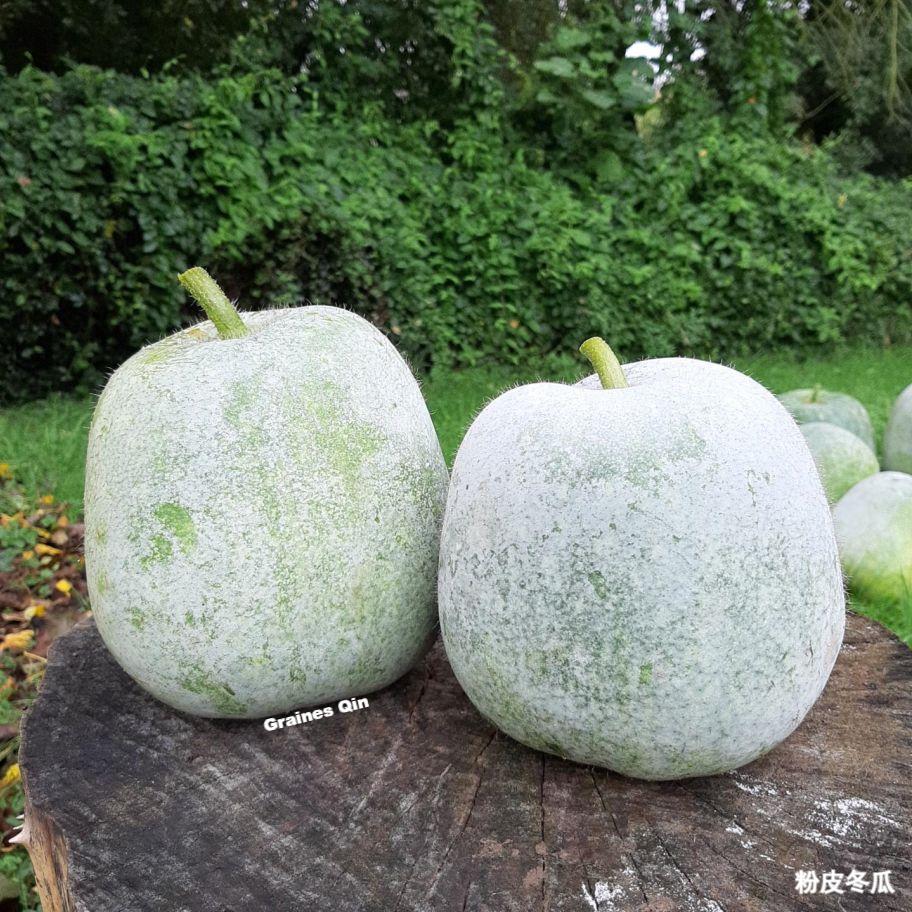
898, 435
603, 896
849, 817
842, 459
262, 514
874, 529
807, 405
645, 579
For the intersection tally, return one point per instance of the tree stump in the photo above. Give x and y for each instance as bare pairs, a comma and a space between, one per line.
417, 803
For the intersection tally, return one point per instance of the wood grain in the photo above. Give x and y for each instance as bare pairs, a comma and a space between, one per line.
417, 803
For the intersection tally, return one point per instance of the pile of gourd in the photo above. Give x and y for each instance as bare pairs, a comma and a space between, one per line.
872, 509
638, 571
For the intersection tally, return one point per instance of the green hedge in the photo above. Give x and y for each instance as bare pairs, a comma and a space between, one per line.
462, 245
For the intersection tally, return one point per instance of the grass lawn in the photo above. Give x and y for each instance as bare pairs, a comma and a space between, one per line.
44, 442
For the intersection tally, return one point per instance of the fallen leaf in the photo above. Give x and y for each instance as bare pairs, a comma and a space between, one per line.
45, 550
11, 775
56, 623
16, 642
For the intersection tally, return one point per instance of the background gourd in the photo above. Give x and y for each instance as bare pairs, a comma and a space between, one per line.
898, 434
841, 458
816, 404
874, 528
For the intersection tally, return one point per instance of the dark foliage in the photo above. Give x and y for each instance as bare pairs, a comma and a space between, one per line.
476, 205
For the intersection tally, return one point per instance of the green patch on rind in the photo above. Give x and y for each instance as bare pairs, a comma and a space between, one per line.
160, 552
221, 697
177, 520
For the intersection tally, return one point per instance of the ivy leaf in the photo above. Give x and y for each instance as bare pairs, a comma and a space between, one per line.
633, 80
602, 100
546, 96
568, 39
609, 168
557, 66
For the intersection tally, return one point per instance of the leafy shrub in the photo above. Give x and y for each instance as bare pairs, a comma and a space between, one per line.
461, 241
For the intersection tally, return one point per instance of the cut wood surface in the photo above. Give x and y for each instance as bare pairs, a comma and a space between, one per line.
417, 803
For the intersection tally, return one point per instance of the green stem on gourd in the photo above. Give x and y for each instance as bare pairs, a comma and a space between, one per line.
605, 362
815, 393
214, 301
